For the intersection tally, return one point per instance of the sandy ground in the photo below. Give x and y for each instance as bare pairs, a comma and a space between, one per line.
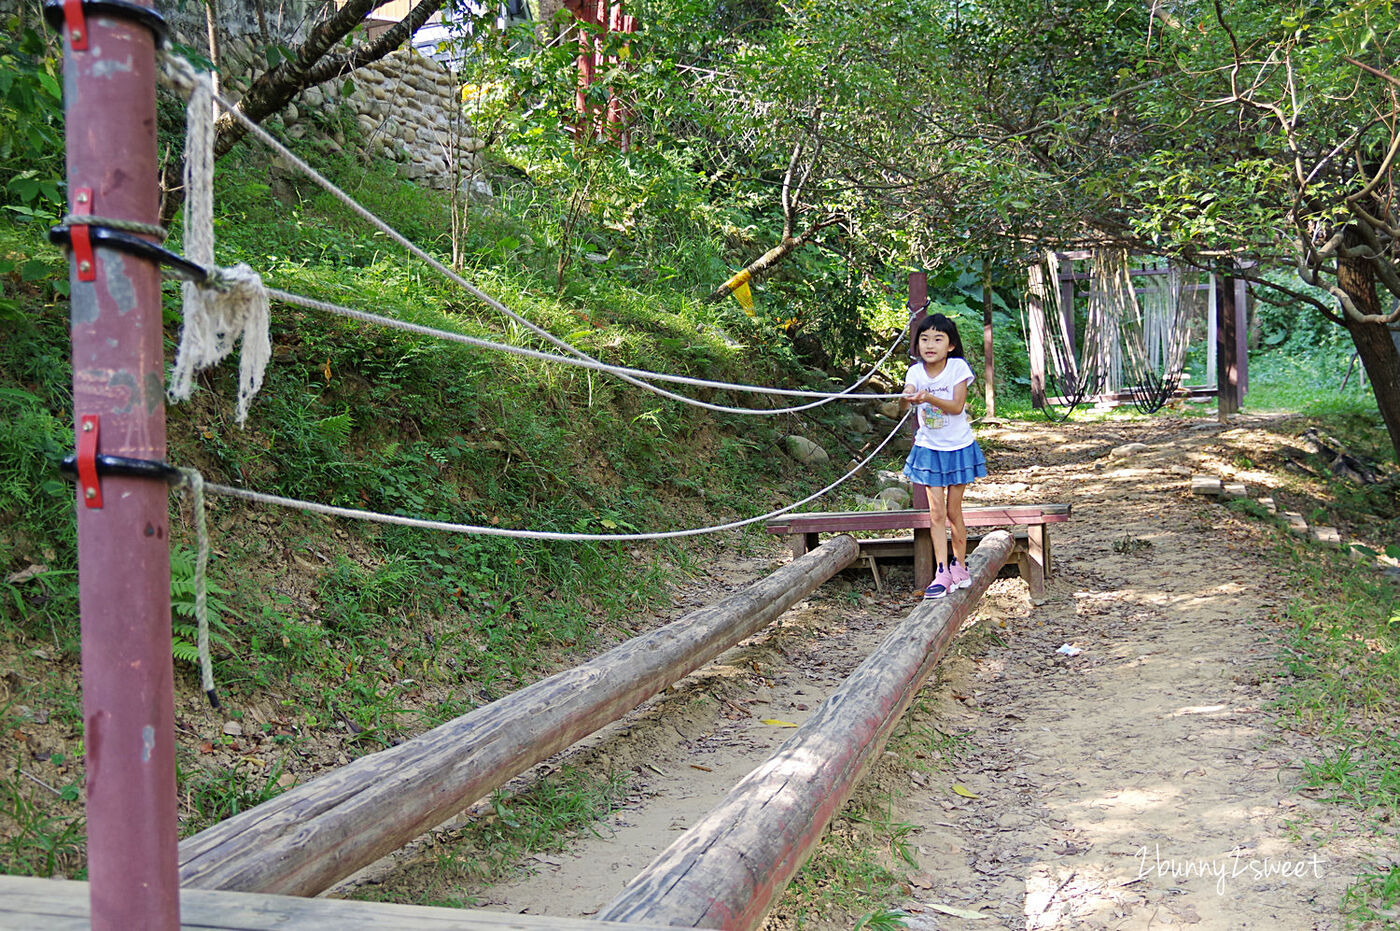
1141, 783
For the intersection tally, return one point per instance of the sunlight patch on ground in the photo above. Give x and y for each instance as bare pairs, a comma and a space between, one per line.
1199, 709
1058, 895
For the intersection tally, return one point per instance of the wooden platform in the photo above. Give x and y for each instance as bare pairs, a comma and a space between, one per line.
28, 904
1030, 522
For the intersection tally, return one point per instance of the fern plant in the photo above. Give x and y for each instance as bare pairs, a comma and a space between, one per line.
184, 624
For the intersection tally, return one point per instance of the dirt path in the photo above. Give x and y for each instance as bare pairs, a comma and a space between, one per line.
1141, 783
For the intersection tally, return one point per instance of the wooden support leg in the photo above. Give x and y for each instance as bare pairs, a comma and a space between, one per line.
1033, 565
1044, 532
875, 573
799, 544
923, 557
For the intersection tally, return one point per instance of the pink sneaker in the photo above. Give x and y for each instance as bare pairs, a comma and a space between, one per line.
941, 585
958, 571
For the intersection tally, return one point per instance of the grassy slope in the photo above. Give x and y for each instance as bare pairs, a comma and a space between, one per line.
340, 637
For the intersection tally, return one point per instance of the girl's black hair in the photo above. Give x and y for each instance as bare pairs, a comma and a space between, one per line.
943, 325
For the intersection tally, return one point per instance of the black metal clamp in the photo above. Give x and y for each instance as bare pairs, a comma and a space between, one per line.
74, 14
87, 464
124, 465
179, 266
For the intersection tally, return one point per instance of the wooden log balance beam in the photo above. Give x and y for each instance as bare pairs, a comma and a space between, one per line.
730, 867
308, 838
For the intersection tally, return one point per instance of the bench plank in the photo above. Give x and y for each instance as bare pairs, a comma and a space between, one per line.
843, 521
1032, 552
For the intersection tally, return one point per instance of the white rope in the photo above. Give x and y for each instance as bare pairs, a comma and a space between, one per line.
231, 305
356, 514
182, 74
340, 310
195, 483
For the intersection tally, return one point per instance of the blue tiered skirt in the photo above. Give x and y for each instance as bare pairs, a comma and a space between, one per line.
939, 468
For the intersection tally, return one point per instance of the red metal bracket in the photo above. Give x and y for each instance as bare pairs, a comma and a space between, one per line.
88, 486
81, 237
77, 25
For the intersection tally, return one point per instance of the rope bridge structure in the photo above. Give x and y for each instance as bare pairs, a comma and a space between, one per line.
1103, 331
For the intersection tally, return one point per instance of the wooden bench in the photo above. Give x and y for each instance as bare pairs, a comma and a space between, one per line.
1030, 523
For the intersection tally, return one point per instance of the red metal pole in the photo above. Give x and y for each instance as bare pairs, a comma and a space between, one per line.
585, 13
123, 550
918, 297
613, 117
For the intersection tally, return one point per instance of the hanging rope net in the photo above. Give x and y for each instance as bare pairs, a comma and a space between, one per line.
1126, 344
1155, 336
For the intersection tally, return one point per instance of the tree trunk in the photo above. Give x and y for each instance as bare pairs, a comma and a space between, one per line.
1374, 343
767, 260
310, 64
773, 256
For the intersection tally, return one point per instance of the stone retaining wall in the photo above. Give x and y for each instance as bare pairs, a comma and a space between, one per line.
406, 105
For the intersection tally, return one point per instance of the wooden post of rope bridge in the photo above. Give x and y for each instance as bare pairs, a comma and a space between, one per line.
119, 410
988, 369
918, 297
1036, 294
918, 310
1231, 345
732, 865
306, 839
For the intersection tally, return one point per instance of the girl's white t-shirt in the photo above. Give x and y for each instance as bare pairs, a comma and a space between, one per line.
938, 430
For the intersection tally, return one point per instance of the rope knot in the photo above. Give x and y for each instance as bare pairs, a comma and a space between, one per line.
232, 304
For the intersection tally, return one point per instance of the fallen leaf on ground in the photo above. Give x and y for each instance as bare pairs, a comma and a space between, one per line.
777, 723
954, 911
964, 791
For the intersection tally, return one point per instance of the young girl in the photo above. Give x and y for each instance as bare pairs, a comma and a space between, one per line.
945, 454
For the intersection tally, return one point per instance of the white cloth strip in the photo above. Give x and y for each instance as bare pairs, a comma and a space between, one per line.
195, 483
230, 305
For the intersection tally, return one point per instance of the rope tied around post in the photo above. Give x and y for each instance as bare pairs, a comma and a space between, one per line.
230, 305
126, 226
194, 482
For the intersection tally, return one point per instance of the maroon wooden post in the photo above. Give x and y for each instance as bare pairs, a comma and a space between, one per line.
1035, 346
918, 297
988, 369
613, 114
1231, 350
1067, 311
123, 550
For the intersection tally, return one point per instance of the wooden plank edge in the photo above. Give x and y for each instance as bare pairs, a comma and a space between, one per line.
27, 902
838, 521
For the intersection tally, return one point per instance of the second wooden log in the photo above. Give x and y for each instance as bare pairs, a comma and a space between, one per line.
728, 869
